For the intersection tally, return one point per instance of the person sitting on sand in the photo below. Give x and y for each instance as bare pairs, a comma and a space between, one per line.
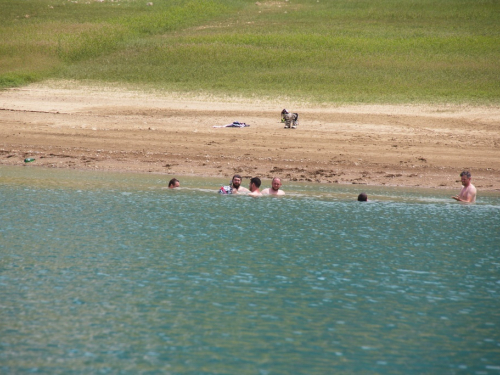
362, 197
254, 187
468, 192
235, 187
275, 188
174, 183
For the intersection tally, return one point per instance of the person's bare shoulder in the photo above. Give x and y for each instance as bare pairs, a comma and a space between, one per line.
268, 191
242, 190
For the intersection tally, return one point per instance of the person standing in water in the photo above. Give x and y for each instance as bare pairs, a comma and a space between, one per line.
468, 192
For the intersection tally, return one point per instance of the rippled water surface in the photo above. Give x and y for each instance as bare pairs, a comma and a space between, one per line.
112, 273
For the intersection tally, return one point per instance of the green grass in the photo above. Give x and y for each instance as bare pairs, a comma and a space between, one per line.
345, 51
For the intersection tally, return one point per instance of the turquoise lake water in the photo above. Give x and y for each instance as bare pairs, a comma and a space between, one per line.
113, 274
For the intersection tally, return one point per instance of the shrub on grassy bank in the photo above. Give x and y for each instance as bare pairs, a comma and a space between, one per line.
17, 79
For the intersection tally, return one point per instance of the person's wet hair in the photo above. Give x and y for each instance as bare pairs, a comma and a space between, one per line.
256, 181
466, 174
362, 197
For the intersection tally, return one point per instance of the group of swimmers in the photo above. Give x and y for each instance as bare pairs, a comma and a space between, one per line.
253, 189
235, 187
466, 195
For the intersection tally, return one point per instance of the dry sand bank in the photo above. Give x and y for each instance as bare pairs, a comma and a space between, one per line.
111, 129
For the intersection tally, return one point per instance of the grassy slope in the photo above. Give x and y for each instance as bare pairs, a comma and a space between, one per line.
382, 51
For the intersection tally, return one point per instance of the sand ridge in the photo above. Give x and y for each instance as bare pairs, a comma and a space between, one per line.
91, 127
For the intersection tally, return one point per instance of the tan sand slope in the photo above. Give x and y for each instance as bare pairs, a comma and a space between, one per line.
114, 129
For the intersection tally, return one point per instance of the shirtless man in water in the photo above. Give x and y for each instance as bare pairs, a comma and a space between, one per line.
275, 188
468, 192
255, 187
235, 187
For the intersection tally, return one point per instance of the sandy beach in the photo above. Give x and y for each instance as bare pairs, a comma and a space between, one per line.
95, 128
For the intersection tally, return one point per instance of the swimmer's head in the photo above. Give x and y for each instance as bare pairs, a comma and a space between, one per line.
362, 197
465, 176
256, 181
173, 183
276, 183
236, 181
